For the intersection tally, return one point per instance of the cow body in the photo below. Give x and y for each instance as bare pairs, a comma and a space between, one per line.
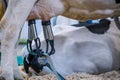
18, 11
76, 9
79, 50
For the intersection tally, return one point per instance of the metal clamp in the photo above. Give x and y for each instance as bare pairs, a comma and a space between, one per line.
48, 35
32, 35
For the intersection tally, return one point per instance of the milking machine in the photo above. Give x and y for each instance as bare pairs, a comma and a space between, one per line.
37, 58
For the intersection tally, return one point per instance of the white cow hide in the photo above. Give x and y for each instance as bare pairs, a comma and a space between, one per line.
79, 50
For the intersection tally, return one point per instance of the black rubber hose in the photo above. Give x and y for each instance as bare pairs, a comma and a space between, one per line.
117, 22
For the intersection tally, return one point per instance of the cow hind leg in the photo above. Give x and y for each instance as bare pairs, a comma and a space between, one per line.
16, 71
12, 23
7, 49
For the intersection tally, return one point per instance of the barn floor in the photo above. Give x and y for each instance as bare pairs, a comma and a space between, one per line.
113, 75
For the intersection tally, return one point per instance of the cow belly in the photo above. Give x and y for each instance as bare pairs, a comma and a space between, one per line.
75, 9
84, 9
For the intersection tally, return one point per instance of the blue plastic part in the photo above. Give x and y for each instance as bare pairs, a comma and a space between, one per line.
20, 60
